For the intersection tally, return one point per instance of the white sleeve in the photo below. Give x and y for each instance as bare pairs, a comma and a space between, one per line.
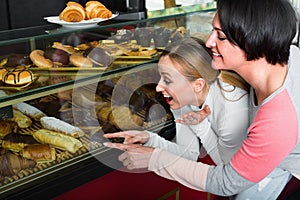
186, 145
208, 139
181, 150
189, 173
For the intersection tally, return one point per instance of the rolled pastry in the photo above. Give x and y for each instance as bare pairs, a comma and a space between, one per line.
54, 124
29, 110
57, 140
39, 152
22, 120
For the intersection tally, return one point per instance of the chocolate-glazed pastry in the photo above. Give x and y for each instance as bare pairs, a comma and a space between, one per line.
98, 56
57, 55
14, 60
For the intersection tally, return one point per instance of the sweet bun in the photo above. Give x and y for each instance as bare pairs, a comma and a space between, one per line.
74, 12
38, 59
78, 60
14, 60
18, 76
95, 9
99, 56
58, 56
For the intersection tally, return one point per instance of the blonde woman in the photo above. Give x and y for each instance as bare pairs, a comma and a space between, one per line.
190, 84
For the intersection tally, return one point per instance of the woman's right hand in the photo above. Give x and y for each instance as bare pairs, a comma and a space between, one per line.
130, 137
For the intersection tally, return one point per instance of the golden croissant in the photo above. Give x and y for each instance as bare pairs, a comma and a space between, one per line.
95, 9
74, 12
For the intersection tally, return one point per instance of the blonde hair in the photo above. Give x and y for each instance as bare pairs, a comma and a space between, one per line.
194, 60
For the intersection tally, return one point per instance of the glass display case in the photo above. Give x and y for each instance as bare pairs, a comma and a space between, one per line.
94, 79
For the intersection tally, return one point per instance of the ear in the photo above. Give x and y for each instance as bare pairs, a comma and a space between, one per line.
198, 85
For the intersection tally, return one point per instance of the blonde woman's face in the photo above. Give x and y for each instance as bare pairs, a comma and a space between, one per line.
176, 88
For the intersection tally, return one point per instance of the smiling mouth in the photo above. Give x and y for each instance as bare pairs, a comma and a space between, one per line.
168, 99
216, 54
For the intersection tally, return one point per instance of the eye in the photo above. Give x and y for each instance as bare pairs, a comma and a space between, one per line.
167, 81
221, 36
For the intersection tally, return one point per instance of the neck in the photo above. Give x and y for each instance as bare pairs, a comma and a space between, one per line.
264, 78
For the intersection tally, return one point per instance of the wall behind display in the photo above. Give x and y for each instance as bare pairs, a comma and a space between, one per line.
3, 16
25, 13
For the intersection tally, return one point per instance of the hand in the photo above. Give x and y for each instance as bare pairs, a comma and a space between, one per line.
135, 156
130, 137
193, 118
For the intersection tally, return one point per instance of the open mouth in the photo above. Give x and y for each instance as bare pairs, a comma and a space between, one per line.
168, 99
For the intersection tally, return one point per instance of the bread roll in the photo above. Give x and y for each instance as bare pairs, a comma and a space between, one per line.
57, 140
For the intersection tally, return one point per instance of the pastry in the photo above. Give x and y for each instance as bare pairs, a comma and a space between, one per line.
39, 60
54, 124
78, 60
73, 12
67, 48
11, 164
57, 56
16, 142
29, 110
95, 9
141, 52
14, 60
104, 112
57, 140
99, 56
7, 127
22, 120
40, 153
18, 76
124, 119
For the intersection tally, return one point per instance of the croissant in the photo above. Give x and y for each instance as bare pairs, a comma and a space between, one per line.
95, 9
74, 12
7, 127
11, 164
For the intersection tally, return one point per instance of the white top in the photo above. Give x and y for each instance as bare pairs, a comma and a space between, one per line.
221, 133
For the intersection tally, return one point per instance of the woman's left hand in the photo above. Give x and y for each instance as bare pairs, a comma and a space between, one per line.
193, 118
135, 156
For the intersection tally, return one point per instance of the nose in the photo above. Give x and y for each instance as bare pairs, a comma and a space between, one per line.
210, 42
159, 87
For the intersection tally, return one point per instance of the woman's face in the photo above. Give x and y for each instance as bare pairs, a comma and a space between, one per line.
175, 87
225, 54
